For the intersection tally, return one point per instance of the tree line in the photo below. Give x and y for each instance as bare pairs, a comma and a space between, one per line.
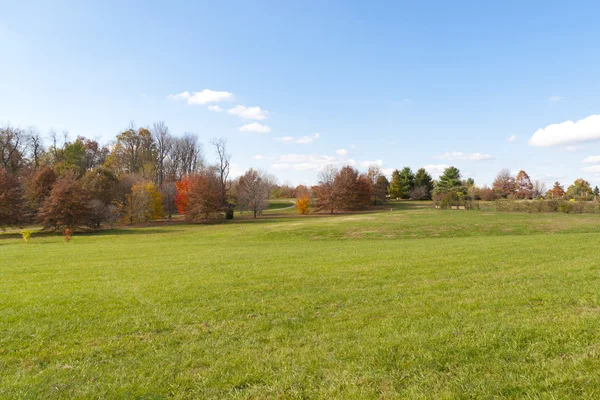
148, 173
144, 174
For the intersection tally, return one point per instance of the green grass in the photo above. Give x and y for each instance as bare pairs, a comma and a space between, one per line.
409, 303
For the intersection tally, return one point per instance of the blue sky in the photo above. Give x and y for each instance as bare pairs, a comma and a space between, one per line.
396, 83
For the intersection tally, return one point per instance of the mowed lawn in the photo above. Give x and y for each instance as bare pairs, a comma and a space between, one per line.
410, 303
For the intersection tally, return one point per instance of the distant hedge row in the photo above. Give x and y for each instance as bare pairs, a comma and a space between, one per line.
547, 206
528, 206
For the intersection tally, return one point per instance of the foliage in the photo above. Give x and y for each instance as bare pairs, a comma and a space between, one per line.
580, 189
144, 203
449, 180
504, 184
303, 204
546, 206
324, 192
487, 194
557, 191
423, 179
523, 186
67, 235
67, 205
183, 190
12, 212
205, 201
26, 234
38, 188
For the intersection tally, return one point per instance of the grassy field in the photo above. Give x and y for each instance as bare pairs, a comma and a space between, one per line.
408, 302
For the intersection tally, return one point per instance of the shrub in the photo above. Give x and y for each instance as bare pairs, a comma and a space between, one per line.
546, 206
67, 235
303, 204
26, 234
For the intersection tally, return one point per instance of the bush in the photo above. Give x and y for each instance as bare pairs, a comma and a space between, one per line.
26, 234
545, 206
303, 204
487, 194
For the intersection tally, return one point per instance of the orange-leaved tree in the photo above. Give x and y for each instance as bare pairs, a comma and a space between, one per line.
303, 203
182, 197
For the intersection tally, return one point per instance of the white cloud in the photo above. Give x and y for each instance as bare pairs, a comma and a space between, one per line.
592, 168
259, 157
255, 127
387, 171
341, 152
511, 138
248, 112
567, 132
215, 109
300, 140
353, 146
554, 98
571, 149
459, 155
305, 162
367, 164
591, 160
435, 169
308, 139
204, 97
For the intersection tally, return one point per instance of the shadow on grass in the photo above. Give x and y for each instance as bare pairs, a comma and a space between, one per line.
121, 231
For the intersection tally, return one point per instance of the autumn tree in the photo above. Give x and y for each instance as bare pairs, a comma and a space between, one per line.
303, 203
351, 190
144, 203
557, 191
253, 191
523, 186
101, 184
504, 184
325, 196
182, 196
395, 188
67, 205
423, 180
580, 189
205, 196
12, 212
38, 188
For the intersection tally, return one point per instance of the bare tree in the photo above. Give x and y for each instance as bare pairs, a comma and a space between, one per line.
169, 192
223, 167
36, 145
11, 147
253, 191
164, 144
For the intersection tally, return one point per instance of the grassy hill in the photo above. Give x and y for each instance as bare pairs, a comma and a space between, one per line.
408, 302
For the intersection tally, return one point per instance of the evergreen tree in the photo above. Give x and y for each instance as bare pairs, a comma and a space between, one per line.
449, 179
423, 179
407, 182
